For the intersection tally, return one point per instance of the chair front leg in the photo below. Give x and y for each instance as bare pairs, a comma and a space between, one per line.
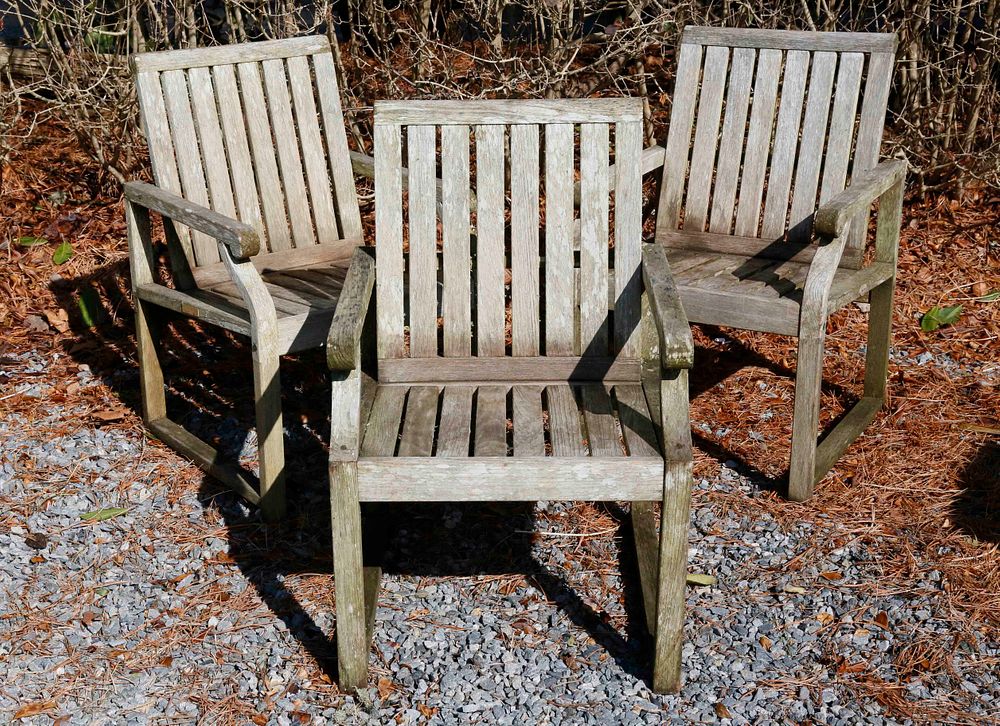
270, 433
349, 581
805, 417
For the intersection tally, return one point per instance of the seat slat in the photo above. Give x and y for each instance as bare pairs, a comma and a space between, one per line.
706, 136
814, 127
637, 428
524, 225
265, 162
289, 159
738, 268
602, 434
765, 94
286, 302
731, 146
382, 429
307, 122
559, 288
490, 257
417, 438
786, 140
594, 238
423, 241
491, 421
529, 432
564, 422
324, 291
456, 303
456, 417
238, 150
189, 163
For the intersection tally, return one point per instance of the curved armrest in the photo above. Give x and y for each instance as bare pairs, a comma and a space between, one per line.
241, 239
833, 216
676, 343
352, 307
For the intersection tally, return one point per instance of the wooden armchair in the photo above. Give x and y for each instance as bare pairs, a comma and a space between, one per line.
474, 410
255, 187
761, 229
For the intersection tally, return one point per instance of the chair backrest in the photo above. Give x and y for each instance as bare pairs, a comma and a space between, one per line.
256, 132
759, 168
516, 290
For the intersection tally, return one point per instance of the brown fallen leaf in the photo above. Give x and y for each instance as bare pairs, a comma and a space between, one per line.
108, 416
825, 618
35, 324
58, 319
882, 619
832, 576
36, 540
385, 687
33, 709
427, 711
766, 642
722, 711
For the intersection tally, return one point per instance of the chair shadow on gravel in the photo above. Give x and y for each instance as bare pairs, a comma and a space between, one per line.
976, 510
712, 367
209, 382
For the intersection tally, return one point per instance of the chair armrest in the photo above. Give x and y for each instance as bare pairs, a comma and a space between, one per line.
673, 330
834, 215
241, 239
349, 316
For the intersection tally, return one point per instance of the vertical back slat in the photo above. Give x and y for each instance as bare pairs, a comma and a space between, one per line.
845, 105
389, 241
786, 141
213, 151
490, 258
628, 236
731, 146
307, 123
161, 146
189, 162
265, 163
706, 137
559, 293
814, 128
524, 222
679, 139
289, 160
765, 94
870, 129
594, 238
341, 172
423, 241
456, 298
238, 149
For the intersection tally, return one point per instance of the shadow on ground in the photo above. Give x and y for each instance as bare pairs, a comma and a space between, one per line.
976, 511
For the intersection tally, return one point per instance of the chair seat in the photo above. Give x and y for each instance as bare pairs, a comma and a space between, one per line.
489, 442
304, 300
758, 293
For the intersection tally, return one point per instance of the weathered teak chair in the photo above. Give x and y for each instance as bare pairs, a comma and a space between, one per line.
597, 342
254, 183
761, 229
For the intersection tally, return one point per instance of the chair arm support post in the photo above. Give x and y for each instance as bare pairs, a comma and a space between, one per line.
344, 339
674, 333
241, 240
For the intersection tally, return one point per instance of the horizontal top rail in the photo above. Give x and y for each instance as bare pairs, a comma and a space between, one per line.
521, 111
790, 39
169, 60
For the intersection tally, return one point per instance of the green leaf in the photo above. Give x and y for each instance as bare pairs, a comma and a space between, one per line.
31, 241
989, 297
936, 317
99, 515
101, 591
697, 579
89, 303
62, 254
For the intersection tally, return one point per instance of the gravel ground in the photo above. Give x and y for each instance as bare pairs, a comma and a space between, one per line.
183, 608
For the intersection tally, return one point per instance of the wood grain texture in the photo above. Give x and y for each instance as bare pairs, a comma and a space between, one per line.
594, 262
559, 293
228, 54
790, 39
524, 250
786, 141
675, 341
490, 240
628, 237
758, 144
678, 149
348, 321
486, 369
565, 431
389, 240
529, 432
455, 434
417, 437
706, 137
491, 421
731, 145
381, 434
456, 297
502, 112
423, 273
598, 414
842, 118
